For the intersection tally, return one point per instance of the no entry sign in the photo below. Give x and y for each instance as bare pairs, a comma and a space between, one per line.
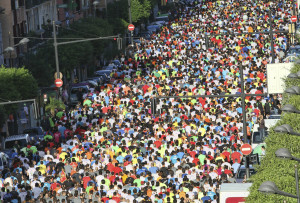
246, 149
130, 27
294, 19
58, 82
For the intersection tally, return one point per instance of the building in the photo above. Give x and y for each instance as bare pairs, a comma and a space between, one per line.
25, 17
39, 13
1, 47
13, 25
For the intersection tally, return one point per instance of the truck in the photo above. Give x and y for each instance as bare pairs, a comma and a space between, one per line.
234, 192
257, 137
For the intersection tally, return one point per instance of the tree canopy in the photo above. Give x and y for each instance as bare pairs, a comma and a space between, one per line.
140, 9
42, 62
280, 171
15, 84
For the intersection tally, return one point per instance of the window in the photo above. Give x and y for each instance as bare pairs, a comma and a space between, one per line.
10, 144
16, 4
21, 3
13, 4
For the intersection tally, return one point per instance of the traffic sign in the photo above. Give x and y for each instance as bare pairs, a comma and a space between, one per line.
130, 27
58, 82
60, 75
294, 19
246, 149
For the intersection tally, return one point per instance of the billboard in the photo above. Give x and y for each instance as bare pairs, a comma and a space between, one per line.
276, 73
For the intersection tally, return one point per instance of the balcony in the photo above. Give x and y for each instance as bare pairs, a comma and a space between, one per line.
32, 3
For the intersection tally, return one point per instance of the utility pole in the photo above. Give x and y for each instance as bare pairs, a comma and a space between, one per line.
130, 20
271, 36
55, 50
244, 118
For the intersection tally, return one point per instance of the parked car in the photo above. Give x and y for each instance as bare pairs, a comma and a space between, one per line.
163, 17
146, 35
36, 133
117, 63
104, 74
74, 92
151, 29
161, 22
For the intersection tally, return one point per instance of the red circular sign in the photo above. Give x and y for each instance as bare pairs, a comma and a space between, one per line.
130, 27
294, 19
246, 149
58, 82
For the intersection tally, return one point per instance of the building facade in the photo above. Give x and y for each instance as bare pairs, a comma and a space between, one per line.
22, 17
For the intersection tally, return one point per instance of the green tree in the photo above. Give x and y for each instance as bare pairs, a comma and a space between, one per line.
54, 104
274, 169
42, 65
74, 55
15, 84
140, 9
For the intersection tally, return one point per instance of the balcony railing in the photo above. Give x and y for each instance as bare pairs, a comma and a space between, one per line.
32, 3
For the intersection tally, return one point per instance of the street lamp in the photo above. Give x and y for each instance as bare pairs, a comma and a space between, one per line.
284, 153
9, 50
23, 41
286, 129
290, 108
95, 4
293, 90
294, 75
270, 187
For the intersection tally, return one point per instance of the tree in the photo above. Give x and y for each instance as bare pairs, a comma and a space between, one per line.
140, 9
54, 104
15, 84
274, 169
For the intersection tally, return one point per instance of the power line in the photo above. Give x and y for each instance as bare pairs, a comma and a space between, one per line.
47, 38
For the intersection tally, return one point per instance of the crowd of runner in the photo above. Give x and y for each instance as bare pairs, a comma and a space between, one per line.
112, 147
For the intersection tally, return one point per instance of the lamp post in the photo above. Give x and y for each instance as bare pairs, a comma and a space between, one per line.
293, 90
294, 75
284, 153
10, 49
286, 128
290, 108
95, 4
271, 188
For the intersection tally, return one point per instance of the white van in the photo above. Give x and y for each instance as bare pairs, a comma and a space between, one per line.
10, 141
9, 144
234, 192
257, 138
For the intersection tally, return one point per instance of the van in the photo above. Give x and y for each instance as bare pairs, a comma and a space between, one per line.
9, 143
234, 192
257, 137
